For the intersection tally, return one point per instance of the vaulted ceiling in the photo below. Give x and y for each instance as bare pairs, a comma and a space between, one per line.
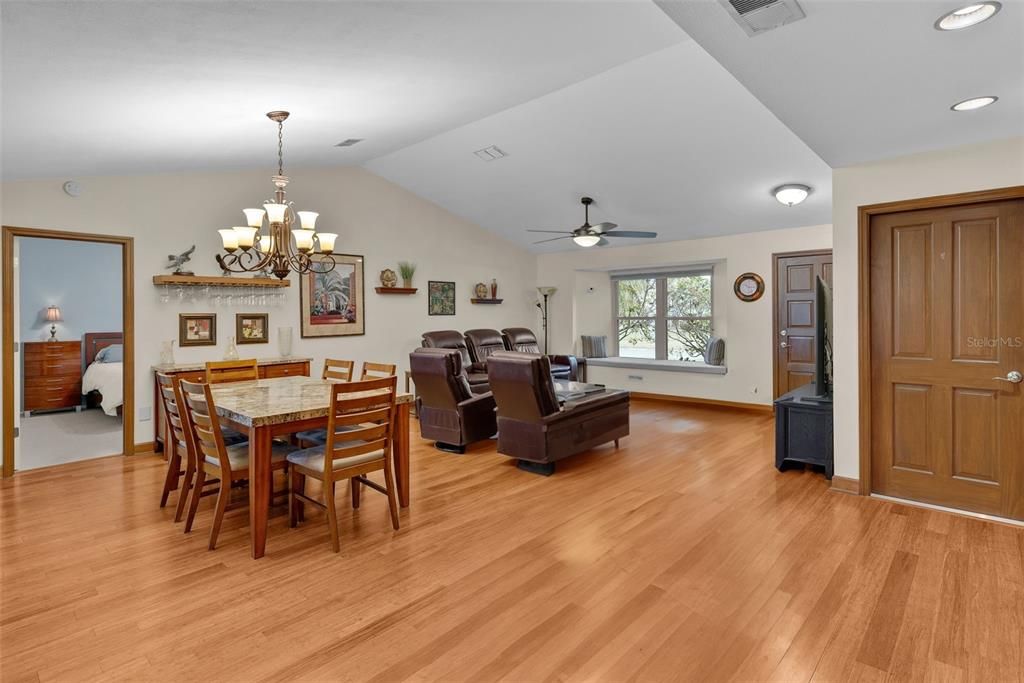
609, 99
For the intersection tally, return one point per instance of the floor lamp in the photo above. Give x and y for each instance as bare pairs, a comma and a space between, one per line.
545, 292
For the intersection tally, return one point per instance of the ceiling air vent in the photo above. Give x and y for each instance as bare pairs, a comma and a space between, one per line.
759, 16
490, 153
349, 142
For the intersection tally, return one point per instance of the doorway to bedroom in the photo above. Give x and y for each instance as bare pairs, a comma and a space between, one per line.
66, 348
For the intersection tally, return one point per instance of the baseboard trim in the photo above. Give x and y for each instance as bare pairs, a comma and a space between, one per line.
707, 402
846, 485
144, 448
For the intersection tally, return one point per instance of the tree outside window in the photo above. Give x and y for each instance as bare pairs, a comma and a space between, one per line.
664, 317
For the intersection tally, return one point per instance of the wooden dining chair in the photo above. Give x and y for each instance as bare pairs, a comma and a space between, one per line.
338, 370
375, 370
229, 464
359, 441
177, 456
184, 441
244, 370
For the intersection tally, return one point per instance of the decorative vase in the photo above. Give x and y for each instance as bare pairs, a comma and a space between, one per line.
284, 341
494, 288
232, 351
167, 352
407, 282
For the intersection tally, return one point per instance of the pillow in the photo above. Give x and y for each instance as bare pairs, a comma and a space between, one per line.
111, 354
714, 352
594, 346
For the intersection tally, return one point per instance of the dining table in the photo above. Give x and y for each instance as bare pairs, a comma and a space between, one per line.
266, 409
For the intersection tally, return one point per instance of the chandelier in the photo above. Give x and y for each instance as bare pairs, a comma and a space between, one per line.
284, 248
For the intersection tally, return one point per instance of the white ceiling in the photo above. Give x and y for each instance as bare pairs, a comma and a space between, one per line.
103, 87
863, 80
609, 99
668, 142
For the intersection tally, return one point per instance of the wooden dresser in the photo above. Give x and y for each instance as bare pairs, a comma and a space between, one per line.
196, 372
52, 375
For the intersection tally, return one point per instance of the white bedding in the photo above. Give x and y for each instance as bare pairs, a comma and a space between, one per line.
107, 379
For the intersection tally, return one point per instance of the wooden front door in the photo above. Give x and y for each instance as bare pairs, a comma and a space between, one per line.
947, 339
795, 338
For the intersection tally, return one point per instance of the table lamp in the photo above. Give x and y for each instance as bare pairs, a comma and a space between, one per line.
53, 316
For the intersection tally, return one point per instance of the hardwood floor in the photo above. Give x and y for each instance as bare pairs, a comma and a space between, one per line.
681, 556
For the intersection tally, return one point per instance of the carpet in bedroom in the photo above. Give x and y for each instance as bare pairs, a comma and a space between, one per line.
55, 438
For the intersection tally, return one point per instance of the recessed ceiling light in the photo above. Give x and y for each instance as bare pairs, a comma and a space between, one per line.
974, 103
791, 194
968, 16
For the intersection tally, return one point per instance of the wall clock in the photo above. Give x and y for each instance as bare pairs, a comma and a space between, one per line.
749, 287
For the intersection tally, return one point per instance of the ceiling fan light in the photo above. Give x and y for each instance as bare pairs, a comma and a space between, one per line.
586, 240
791, 194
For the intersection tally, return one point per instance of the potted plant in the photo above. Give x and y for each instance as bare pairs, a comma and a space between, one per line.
406, 270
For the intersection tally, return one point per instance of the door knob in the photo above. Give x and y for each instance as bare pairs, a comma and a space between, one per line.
1013, 376
784, 345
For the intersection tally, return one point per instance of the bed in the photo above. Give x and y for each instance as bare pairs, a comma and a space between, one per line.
103, 381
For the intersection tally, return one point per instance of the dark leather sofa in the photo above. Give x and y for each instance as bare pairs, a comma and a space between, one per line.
452, 339
524, 340
533, 428
448, 410
482, 343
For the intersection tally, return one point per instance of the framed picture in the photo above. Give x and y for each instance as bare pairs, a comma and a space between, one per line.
251, 328
197, 329
440, 298
332, 303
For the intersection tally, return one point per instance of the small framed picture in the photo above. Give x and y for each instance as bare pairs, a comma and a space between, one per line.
440, 298
197, 329
251, 328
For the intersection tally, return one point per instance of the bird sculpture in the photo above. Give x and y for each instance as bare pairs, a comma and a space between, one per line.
178, 261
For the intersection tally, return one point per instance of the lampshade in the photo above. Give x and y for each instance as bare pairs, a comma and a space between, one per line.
327, 241
230, 238
303, 240
275, 212
586, 240
254, 217
266, 244
307, 219
246, 236
547, 291
53, 315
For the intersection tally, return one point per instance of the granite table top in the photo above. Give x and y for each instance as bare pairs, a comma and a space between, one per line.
278, 400
190, 367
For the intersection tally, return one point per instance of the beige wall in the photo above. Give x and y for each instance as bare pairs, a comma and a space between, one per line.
375, 218
582, 305
963, 169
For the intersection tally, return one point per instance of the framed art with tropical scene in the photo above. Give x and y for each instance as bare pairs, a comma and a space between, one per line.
197, 329
251, 328
332, 302
440, 298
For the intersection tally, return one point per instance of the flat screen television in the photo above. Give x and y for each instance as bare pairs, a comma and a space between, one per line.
823, 332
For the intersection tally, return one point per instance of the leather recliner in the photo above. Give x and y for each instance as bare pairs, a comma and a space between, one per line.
533, 428
482, 343
451, 339
448, 411
524, 340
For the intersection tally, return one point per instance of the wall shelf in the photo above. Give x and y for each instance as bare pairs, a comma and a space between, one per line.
486, 301
219, 281
395, 290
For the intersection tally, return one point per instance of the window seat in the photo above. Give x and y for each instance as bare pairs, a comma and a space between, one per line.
652, 364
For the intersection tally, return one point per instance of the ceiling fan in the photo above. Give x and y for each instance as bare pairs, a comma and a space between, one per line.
588, 235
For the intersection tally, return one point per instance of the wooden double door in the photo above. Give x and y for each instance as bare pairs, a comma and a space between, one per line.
947, 350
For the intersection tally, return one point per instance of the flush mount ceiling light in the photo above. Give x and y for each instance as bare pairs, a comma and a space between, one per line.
791, 194
974, 103
967, 16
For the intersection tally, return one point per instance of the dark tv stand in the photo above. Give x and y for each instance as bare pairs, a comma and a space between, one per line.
803, 430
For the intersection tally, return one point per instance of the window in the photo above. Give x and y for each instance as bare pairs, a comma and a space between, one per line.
663, 316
